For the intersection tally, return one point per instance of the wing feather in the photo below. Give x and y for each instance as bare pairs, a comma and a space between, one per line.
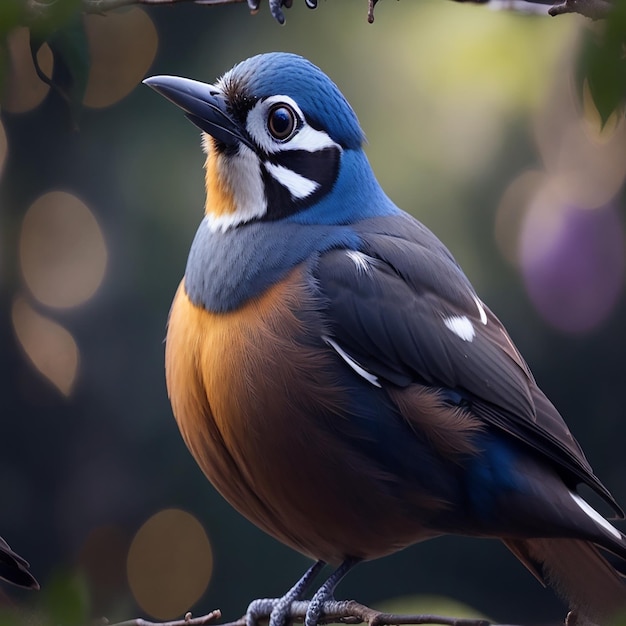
391, 319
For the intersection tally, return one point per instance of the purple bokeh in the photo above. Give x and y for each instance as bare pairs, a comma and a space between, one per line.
573, 266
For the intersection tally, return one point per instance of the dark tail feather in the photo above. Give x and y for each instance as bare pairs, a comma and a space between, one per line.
577, 571
14, 569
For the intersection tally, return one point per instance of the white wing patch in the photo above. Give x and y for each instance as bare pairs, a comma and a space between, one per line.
299, 187
370, 378
461, 326
595, 516
362, 261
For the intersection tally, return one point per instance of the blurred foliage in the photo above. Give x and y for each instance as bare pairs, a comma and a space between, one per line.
472, 127
70, 52
603, 62
59, 24
64, 602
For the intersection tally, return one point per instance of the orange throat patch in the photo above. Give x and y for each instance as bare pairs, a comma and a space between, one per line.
220, 199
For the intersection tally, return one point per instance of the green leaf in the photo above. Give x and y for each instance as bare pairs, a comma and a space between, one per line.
11, 15
70, 51
603, 64
55, 15
65, 600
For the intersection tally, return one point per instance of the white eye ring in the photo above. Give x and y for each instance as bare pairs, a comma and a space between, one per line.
282, 121
268, 139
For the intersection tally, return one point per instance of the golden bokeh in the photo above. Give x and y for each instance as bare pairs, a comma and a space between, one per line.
589, 158
122, 47
512, 210
50, 348
24, 90
62, 250
169, 564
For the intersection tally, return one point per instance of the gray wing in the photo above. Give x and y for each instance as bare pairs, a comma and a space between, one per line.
404, 311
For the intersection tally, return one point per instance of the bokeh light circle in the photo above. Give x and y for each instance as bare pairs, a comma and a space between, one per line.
49, 346
572, 262
169, 563
122, 46
62, 250
511, 211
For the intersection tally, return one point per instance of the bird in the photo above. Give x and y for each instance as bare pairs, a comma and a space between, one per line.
335, 374
14, 569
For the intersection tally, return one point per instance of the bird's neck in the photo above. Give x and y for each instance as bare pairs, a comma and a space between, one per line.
233, 260
227, 268
356, 195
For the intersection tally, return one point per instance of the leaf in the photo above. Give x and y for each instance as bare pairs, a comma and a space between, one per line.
603, 63
65, 600
70, 51
11, 15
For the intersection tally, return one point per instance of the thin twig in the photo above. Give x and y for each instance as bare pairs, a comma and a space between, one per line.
102, 6
188, 620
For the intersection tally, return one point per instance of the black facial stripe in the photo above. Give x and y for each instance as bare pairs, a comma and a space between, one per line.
321, 167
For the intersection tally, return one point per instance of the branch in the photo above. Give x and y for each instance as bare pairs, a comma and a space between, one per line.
39, 9
593, 9
344, 612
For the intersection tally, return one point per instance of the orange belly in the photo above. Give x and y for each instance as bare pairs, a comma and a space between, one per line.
256, 405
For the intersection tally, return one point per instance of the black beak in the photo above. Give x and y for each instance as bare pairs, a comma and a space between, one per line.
203, 104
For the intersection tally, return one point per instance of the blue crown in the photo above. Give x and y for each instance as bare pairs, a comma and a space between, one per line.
294, 76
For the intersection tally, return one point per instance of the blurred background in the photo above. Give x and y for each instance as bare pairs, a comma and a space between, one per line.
478, 124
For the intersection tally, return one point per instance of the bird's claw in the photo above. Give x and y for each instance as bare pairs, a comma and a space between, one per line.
276, 7
314, 612
260, 609
278, 610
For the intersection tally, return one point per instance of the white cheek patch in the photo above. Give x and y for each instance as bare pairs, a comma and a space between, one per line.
241, 174
461, 326
299, 187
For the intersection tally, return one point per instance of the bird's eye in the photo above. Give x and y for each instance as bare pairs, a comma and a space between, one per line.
281, 122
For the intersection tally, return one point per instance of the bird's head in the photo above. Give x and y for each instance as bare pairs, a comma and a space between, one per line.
276, 132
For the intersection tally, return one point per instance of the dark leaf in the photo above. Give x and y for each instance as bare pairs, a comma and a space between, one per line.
603, 65
70, 50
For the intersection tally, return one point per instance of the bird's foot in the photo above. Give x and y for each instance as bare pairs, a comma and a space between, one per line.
276, 7
279, 609
260, 609
323, 601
